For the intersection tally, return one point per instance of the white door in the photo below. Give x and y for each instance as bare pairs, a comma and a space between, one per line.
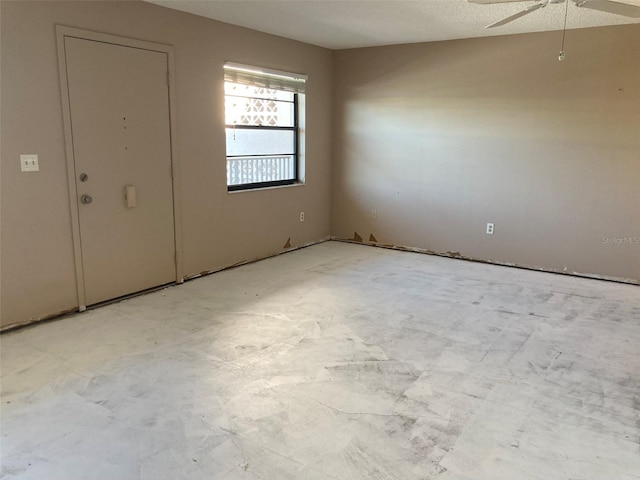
120, 127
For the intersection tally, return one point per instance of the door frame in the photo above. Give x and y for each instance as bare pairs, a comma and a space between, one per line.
61, 33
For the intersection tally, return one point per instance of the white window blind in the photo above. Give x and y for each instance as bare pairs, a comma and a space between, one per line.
265, 78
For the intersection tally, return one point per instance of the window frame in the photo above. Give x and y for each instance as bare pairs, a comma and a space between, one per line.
287, 79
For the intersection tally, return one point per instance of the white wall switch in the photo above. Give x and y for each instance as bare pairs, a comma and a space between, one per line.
29, 163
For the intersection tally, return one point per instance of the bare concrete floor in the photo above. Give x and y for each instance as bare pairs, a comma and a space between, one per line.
337, 361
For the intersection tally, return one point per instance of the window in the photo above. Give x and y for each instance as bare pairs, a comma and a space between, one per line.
263, 116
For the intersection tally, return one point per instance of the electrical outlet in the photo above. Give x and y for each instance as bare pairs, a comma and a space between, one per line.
302, 216
29, 163
374, 214
489, 228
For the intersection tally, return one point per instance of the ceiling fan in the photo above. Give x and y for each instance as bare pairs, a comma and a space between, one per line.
609, 6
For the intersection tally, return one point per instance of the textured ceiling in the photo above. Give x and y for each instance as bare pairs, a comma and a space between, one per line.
339, 24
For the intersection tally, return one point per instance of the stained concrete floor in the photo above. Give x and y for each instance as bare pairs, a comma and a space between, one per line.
337, 361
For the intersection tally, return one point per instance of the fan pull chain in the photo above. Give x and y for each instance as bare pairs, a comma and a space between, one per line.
564, 30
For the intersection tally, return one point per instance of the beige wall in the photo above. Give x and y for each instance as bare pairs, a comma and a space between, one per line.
439, 138
218, 228
442, 138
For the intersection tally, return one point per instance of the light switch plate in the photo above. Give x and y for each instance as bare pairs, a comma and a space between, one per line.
29, 163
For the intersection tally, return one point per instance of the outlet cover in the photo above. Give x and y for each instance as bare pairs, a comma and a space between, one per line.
489, 228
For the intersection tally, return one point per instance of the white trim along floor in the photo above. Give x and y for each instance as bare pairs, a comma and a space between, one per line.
337, 361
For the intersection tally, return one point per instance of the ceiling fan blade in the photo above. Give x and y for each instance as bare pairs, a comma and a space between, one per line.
610, 6
522, 13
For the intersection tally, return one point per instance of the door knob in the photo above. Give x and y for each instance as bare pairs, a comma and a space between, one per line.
86, 199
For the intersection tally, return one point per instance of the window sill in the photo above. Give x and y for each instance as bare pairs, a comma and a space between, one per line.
261, 189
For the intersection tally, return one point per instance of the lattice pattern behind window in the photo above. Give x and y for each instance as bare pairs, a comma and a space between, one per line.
260, 111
